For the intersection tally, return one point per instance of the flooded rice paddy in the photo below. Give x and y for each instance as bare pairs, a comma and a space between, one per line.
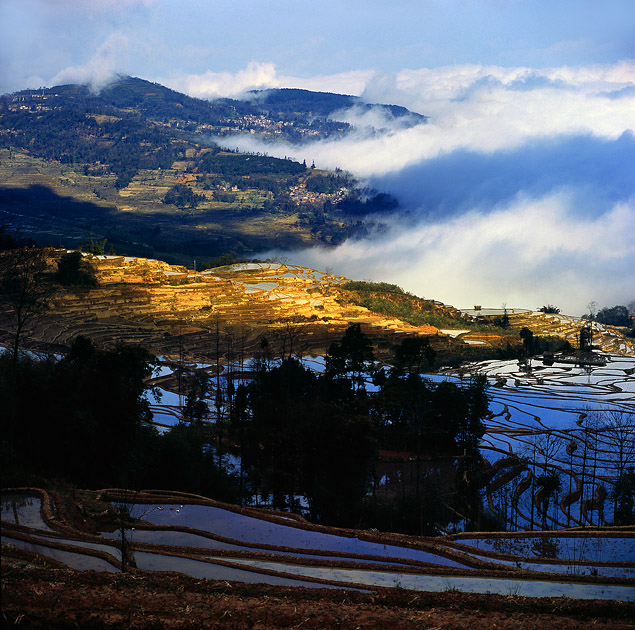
261, 547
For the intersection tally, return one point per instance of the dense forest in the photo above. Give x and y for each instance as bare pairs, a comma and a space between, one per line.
70, 136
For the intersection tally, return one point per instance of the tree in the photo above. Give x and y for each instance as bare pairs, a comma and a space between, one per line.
281, 402
338, 452
109, 415
8, 240
196, 408
618, 434
549, 308
73, 270
95, 247
354, 355
528, 339
23, 288
84, 418
624, 497
548, 485
586, 338
182, 196
504, 320
616, 316
412, 353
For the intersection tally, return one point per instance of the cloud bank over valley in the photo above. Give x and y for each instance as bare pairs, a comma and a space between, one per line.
519, 189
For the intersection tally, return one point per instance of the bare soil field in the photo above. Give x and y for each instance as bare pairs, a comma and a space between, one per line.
35, 597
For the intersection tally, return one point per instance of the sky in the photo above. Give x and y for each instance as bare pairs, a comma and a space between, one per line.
519, 190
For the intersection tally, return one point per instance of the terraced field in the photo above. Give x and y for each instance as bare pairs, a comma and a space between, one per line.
574, 421
569, 418
174, 311
571, 421
207, 539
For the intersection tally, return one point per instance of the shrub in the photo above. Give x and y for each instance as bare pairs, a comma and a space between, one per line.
73, 270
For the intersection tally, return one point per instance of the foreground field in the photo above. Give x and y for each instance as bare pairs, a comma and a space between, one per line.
159, 531
62, 598
44, 532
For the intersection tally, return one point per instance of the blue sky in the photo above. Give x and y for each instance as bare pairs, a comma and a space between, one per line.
167, 39
521, 187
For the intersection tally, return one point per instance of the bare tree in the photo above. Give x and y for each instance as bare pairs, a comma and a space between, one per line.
618, 433
292, 340
23, 290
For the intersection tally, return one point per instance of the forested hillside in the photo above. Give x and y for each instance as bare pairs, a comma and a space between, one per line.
141, 158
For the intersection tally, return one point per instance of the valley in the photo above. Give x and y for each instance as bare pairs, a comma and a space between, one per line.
138, 165
311, 439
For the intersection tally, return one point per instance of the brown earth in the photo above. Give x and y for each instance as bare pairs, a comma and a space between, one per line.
171, 310
36, 597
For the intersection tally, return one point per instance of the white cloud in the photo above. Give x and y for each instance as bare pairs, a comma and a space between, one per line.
477, 108
544, 211
101, 69
528, 253
212, 85
261, 76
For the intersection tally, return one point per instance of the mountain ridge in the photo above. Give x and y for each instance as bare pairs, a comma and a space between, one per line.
145, 153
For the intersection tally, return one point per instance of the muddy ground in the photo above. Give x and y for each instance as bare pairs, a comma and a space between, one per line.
55, 598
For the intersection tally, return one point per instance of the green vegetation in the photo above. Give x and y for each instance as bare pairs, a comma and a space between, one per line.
231, 165
23, 288
624, 498
323, 183
96, 248
362, 286
86, 419
319, 435
392, 301
291, 103
182, 196
616, 316
538, 344
221, 261
69, 135
134, 164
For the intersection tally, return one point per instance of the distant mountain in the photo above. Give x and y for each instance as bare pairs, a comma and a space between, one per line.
290, 114
136, 164
323, 105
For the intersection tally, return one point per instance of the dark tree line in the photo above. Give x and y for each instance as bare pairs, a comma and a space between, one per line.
615, 316
86, 419
302, 434
73, 270
183, 197
319, 436
536, 344
239, 165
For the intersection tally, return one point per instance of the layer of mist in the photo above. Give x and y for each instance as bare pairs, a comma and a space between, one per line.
520, 189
